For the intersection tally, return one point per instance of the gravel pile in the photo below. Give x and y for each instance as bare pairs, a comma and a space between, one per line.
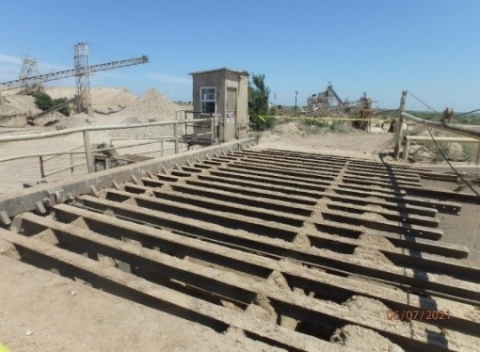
151, 107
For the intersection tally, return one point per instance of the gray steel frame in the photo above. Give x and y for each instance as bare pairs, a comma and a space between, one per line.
43, 196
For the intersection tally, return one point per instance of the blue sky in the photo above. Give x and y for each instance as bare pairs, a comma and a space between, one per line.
430, 47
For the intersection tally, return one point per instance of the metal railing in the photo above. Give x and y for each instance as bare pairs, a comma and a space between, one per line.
87, 146
470, 131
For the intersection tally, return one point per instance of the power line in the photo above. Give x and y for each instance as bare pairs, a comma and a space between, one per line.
421, 101
466, 113
440, 150
450, 164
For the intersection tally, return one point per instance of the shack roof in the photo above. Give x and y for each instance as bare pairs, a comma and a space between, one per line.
219, 69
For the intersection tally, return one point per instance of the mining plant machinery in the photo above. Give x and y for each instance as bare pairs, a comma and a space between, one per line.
81, 72
324, 101
329, 103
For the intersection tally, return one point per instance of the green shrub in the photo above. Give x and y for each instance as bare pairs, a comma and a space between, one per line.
258, 104
43, 101
314, 122
337, 127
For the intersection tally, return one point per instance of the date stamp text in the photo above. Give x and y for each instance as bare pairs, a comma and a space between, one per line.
418, 314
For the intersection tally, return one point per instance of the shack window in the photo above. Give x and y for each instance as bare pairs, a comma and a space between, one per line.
208, 98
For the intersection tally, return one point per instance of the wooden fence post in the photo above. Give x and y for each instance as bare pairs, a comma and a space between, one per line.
398, 132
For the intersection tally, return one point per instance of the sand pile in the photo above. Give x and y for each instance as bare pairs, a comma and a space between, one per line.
104, 100
290, 128
18, 104
151, 107
77, 120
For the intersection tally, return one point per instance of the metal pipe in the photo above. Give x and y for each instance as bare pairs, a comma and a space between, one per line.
72, 169
90, 128
56, 156
406, 149
42, 171
140, 139
131, 145
212, 126
443, 139
88, 151
175, 133
468, 132
65, 168
37, 155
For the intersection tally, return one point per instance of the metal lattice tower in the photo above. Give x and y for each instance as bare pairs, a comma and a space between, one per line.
29, 69
82, 75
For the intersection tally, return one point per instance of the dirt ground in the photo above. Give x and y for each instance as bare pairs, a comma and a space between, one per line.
42, 311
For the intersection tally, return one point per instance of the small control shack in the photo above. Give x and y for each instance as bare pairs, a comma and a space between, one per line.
223, 94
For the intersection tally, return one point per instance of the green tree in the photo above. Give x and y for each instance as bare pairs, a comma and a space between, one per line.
65, 110
258, 103
43, 101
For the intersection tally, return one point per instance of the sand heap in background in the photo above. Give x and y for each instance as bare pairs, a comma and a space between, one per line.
152, 106
18, 104
104, 100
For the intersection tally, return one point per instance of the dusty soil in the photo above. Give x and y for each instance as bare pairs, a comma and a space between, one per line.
41, 311
355, 143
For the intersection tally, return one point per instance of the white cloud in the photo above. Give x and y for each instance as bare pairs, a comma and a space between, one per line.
169, 79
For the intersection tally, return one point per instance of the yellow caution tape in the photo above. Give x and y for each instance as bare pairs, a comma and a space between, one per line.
321, 118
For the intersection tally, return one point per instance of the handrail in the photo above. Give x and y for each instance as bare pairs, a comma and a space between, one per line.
64, 169
443, 139
93, 128
37, 155
469, 132
71, 150
87, 145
